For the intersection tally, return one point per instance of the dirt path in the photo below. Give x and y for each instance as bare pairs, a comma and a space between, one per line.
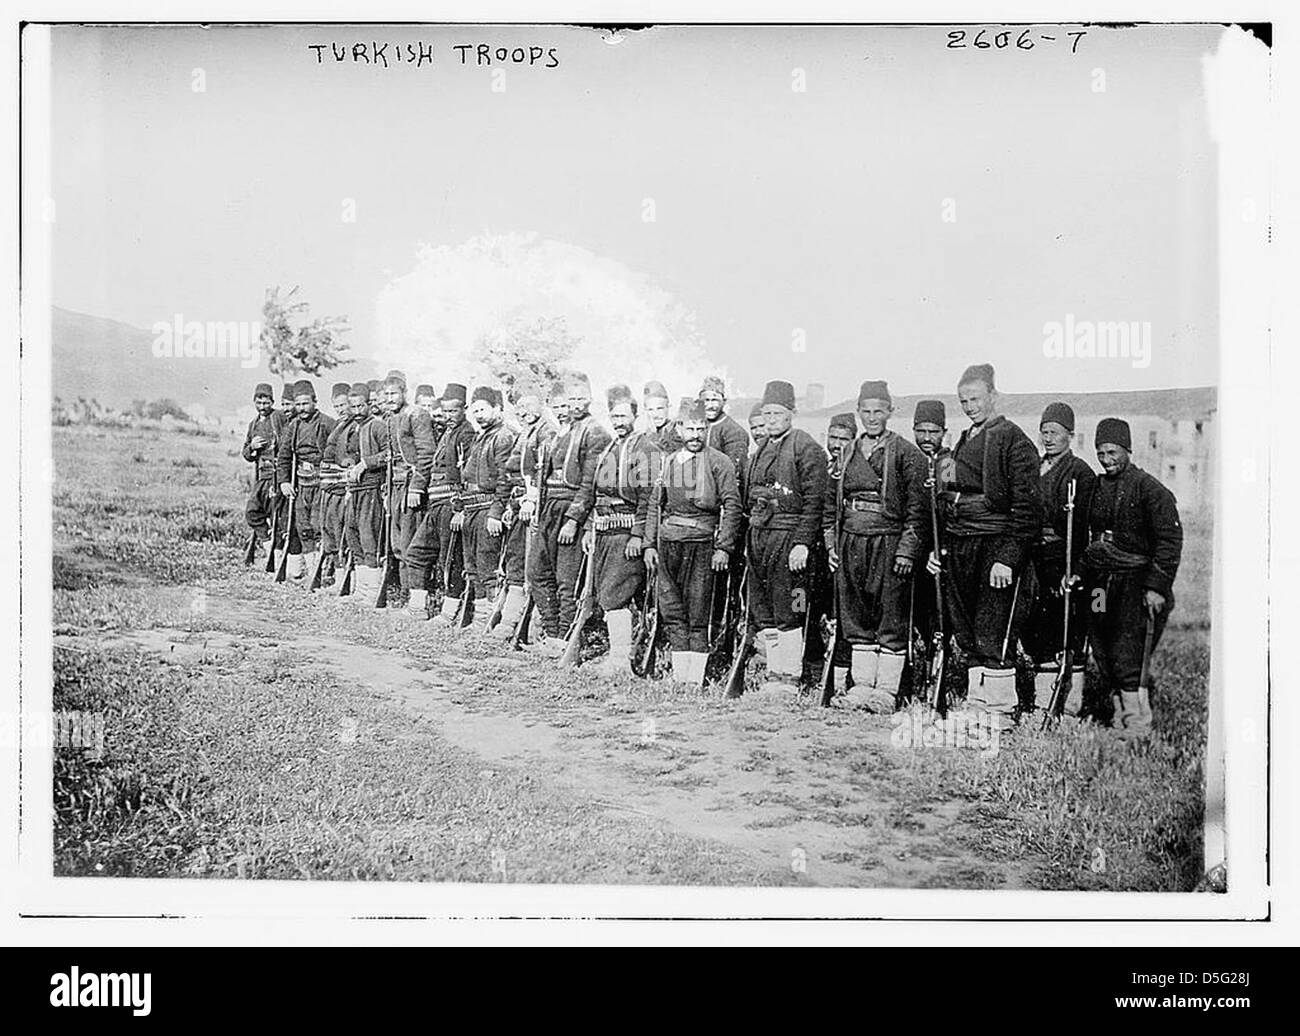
800, 791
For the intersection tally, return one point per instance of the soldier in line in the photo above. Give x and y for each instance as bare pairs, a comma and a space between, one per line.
1058, 469
427, 400
993, 516
259, 450
333, 483
529, 411
483, 502
724, 432
617, 500
757, 429
661, 430
364, 454
879, 508
568, 472
434, 555
410, 450
929, 429
784, 497
1135, 546
286, 401
303, 441
693, 522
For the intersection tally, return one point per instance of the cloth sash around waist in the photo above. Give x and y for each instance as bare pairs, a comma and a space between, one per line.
969, 514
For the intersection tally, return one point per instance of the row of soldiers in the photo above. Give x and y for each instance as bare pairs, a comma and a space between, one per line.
696, 528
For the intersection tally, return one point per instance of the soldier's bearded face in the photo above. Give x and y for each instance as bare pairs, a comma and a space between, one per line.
713, 404
836, 439
340, 405
264, 404
657, 410
874, 415
560, 408
428, 404
1055, 438
394, 398
777, 419
928, 436
977, 401
453, 411
1112, 458
304, 406
360, 406
692, 433
621, 418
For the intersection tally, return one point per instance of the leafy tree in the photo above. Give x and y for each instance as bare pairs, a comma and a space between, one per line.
528, 355
294, 346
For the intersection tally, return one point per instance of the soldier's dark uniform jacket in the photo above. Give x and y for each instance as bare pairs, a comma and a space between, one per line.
522, 471
366, 442
784, 497
330, 501
304, 438
730, 437
883, 518
485, 492
569, 472
666, 439
618, 496
263, 497
429, 555
1135, 545
694, 509
993, 516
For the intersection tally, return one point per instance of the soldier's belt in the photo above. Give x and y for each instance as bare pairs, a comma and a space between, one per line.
612, 522
474, 501
439, 494
969, 514
1104, 554
867, 506
682, 521
559, 482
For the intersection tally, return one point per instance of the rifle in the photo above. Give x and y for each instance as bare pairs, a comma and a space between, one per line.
250, 552
722, 643
828, 674
465, 606
736, 677
275, 517
586, 604
495, 618
643, 648
1062, 680
282, 569
387, 557
934, 672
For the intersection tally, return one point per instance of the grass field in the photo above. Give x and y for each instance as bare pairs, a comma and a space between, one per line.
254, 731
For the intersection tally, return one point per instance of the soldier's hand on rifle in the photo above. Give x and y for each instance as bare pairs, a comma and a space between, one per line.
413, 498
1155, 602
568, 532
356, 471
526, 509
798, 557
458, 521
651, 558
1000, 576
494, 526
933, 565
286, 489
902, 566
588, 541
1072, 583
257, 442
721, 560
832, 559
633, 548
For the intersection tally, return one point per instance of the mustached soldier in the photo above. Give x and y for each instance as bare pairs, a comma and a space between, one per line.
303, 441
993, 517
882, 489
1135, 547
438, 549
536, 436
929, 429
1042, 635
333, 483
617, 499
692, 531
569, 472
784, 498
723, 431
410, 442
259, 450
757, 427
364, 454
286, 401
483, 502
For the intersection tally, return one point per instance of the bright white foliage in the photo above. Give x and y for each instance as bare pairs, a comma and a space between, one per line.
437, 317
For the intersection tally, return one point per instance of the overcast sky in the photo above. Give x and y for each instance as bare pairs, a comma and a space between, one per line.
775, 209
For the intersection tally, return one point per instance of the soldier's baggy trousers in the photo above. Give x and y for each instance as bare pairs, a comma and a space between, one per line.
684, 583
874, 602
426, 556
779, 597
1117, 627
306, 519
261, 504
978, 613
482, 552
555, 569
365, 522
403, 523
